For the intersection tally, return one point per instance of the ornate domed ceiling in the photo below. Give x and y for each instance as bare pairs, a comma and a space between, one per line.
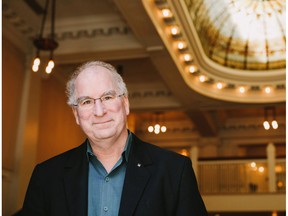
232, 50
241, 34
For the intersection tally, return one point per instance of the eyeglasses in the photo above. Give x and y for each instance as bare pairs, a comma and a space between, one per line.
87, 103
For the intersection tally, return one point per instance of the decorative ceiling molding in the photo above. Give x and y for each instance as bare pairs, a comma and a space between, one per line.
91, 27
177, 30
89, 34
95, 37
93, 33
151, 96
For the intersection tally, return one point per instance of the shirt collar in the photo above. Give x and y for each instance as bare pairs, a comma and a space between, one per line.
125, 152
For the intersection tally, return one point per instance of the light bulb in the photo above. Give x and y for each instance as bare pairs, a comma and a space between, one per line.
253, 164
157, 127
219, 85
202, 78
35, 68
266, 125
187, 57
175, 30
274, 124
163, 129
150, 129
242, 89
48, 70
36, 61
166, 13
192, 69
181, 45
267, 90
51, 64
157, 130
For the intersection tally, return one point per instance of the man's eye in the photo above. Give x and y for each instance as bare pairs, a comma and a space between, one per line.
86, 102
107, 97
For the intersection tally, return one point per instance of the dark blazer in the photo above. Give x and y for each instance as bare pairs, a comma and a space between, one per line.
157, 183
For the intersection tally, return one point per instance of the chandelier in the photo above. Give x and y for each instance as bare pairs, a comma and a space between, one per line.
157, 128
266, 124
46, 43
158, 125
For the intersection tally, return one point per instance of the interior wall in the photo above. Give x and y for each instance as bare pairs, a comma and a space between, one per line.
12, 83
58, 129
13, 62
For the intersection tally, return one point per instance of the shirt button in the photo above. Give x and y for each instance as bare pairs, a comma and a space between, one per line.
107, 179
105, 208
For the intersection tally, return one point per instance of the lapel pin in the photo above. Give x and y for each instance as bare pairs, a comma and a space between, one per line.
139, 165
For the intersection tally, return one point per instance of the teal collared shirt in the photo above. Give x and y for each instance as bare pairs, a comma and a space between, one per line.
105, 189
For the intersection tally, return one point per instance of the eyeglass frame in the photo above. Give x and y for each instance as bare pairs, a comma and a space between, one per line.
99, 98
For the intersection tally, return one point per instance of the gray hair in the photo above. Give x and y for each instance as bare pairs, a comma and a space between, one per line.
70, 86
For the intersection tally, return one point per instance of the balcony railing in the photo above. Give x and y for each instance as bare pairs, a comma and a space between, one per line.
240, 176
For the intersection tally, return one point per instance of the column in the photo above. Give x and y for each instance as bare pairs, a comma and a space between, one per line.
271, 167
194, 158
26, 139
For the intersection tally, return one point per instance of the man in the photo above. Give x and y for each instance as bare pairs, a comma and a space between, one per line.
112, 172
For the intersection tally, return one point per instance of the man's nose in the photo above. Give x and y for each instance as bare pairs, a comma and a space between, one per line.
98, 108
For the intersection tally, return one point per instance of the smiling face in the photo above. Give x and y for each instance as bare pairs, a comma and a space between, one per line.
104, 120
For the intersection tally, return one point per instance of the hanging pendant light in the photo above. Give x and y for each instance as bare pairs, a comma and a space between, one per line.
266, 124
46, 43
158, 126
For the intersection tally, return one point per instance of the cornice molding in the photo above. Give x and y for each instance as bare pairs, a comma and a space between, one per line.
157, 98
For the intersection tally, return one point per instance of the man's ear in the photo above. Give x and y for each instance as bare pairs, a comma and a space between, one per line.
126, 104
75, 115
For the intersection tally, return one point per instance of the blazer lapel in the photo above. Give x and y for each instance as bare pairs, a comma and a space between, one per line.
136, 178
76, 182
